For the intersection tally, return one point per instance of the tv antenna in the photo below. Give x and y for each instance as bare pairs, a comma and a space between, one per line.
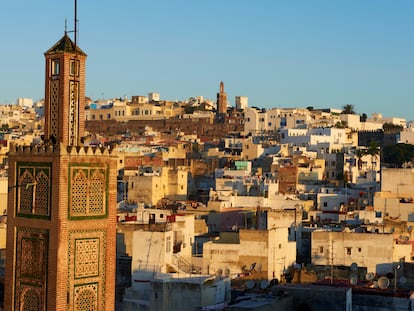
75, 30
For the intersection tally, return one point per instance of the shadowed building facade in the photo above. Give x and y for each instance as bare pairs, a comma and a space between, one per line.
61, 230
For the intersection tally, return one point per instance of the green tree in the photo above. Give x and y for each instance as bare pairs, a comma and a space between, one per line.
390, 127
348, 109
373, 151
363, 117
359, 154
398, 154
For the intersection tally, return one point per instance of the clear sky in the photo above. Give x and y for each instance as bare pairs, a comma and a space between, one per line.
291, 53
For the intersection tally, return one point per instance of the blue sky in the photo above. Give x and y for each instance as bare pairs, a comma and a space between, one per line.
293, 53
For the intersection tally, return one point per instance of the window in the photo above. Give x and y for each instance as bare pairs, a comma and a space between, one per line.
74, 67
55, 67
348, 250
359, 249
321, 249
325, 204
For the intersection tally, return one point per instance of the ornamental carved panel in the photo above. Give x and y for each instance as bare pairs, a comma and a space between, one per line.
86, 269
31, 269
88, 191
33, 189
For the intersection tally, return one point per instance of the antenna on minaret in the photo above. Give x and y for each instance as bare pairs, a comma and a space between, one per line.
76, 22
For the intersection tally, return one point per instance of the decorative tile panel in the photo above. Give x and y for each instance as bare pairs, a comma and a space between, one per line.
88, 191
30, 299
31, 269
86, 257
86, 297
33, 189
73, 111
86, 270
54, 108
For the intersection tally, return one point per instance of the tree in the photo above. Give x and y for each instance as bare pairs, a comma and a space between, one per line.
348, 109
390, 127
373, 151
360, 153
363, 117
341, 124
398, 154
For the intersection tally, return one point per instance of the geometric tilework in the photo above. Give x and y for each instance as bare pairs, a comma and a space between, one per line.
86, 270
88, 191
31, 252
86, 297
30, 300
86, 257
33, 189
31, 268
73, 111
54, 108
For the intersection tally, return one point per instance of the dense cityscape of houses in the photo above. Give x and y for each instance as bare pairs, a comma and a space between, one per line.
244, 208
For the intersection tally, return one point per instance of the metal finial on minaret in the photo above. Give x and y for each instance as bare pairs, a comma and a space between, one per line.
66, 26
76, 22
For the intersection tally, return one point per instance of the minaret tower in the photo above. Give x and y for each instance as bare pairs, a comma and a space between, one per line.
61, 218
222, 100
65, 92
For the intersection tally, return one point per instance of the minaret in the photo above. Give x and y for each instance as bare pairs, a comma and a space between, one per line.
61, 217
222, 100
65, 92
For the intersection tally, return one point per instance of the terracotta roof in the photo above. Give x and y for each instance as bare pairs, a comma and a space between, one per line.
65, 44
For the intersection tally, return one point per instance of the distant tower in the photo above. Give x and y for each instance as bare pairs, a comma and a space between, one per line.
222, 100
61, 226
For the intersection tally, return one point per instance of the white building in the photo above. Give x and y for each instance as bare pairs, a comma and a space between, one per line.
241, 102
370, 250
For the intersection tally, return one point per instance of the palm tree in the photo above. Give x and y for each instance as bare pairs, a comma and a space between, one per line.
348, 109
359, 154
373, 151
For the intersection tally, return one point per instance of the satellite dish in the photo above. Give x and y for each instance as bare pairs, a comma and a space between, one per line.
383, 282
354, 267
250, 284
369, 276
353, 280
410, 228
264, 284
403, 280
392, 230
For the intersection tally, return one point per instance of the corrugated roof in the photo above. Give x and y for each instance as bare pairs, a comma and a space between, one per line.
66, 45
